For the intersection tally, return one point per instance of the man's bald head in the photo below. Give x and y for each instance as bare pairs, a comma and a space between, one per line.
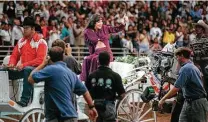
56, 53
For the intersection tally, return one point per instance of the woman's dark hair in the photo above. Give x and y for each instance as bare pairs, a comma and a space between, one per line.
42, 19
63, 18
94, 18
56, 53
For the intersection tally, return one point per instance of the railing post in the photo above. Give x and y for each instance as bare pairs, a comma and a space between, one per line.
78, 53
82, 51
125, 52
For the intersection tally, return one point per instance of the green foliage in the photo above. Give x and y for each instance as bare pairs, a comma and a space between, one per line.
127, 59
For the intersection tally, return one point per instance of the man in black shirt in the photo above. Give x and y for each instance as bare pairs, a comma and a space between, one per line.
103, 85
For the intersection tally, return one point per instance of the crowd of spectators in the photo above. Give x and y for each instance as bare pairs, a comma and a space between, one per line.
152, 24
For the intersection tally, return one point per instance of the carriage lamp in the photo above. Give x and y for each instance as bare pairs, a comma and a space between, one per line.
148, 94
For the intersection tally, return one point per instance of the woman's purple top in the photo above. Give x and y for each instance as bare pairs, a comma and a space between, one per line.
92, 37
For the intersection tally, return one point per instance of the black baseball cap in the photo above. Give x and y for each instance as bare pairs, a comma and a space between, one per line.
29, 21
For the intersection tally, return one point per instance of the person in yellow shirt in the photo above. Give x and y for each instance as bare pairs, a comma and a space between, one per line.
169, 36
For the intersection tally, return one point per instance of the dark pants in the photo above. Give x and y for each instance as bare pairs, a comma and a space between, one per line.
5, 43
202, 65
27, 87
109, 115
176, 112
195, 111
177, 107
15, 42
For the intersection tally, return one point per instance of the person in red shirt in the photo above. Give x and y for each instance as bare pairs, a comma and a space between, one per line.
44, 28
30, 51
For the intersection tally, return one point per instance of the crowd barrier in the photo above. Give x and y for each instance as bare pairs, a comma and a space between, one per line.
78, 52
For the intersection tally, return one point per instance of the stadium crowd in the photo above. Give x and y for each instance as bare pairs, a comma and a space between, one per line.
152, 24
140, 26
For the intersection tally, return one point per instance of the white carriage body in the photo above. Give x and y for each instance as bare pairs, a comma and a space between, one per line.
9, 107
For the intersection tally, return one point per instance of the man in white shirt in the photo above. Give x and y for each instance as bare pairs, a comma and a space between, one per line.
19, 8
35, 10
155, 32
45, 12
5, 34
17, 32
192, 35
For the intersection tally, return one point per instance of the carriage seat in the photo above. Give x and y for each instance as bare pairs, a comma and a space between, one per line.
6, 61
121, 68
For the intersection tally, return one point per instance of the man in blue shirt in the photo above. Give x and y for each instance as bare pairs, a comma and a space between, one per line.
189, 80
60, 83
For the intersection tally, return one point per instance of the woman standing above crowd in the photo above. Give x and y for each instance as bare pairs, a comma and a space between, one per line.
97, 39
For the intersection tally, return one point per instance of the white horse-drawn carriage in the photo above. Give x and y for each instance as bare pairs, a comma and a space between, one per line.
130, 109
137, 106
10, 92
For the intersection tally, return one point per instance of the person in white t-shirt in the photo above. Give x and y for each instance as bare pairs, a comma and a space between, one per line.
192, 36
179, 37
20, 8
5, 34
17, 32
155, 32
126, 42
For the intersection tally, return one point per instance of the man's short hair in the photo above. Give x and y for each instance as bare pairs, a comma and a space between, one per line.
56, 53
104, 58
186, 52
60, 43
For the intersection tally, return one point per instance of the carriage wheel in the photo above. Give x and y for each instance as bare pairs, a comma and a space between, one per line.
132, 109
33, 115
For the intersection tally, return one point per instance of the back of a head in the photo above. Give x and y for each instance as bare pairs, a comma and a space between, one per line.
60, 43
56, 53
104, 58
186, 52
38, 29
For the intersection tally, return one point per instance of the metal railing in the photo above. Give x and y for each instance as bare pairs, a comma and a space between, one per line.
78, 52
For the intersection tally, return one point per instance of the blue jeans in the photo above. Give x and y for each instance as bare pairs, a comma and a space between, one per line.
27, 87
179, 43
143, 48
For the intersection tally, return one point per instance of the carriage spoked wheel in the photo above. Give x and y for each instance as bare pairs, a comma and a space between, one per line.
132, 109
34, 115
